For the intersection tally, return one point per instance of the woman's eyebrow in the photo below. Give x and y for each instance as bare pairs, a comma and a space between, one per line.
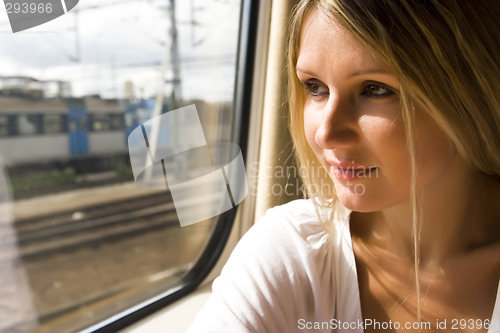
372, 71
303, 71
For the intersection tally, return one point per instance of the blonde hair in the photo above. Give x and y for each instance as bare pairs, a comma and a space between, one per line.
446, 56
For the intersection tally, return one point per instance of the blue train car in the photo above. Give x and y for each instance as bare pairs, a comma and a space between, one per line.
77, 128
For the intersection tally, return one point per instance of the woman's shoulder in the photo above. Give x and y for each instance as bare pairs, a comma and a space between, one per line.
292, 225
303, 221
278, 274
291, 240
303, 211
281, 273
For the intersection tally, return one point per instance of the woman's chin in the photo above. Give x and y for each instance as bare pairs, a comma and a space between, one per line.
357, 201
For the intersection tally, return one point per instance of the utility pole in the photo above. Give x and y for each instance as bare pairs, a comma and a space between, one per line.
193, 36
114, 78
77, 38
157, 111
177, 93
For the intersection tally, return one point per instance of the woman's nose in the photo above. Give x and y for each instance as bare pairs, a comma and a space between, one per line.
337, 127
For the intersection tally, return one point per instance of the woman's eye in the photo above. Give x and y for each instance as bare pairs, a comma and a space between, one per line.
376, 91
315, 89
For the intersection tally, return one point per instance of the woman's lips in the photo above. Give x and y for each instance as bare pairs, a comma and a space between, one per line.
350, 171
354, 173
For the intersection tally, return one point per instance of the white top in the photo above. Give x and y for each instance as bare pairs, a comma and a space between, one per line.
288, 275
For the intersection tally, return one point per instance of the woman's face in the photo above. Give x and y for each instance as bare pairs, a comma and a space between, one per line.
353, 120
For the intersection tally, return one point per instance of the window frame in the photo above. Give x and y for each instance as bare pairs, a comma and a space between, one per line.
242, 103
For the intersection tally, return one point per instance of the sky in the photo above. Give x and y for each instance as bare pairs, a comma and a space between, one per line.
124, 40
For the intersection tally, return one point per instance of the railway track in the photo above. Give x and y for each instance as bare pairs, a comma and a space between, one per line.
67, 236
66, 230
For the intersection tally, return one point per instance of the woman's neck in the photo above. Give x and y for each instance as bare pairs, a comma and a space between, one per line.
460, 212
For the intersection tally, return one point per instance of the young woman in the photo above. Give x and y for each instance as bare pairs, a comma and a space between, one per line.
398, 102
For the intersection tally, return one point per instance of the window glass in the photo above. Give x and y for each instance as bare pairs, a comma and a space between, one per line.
82, 124
129, 120
73, 125
4, 125
82, 241
116, 121
27, 124
100, 122
53, 123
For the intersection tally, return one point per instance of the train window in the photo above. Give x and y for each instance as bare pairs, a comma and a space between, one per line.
28, 124
116, 121
82, 124
86, 243
73, 125
4, 125
130, 120
53, 124
99, 122
12, 125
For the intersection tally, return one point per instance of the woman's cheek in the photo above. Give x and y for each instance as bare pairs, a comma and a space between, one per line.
434, 150
382, 133
310, 128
